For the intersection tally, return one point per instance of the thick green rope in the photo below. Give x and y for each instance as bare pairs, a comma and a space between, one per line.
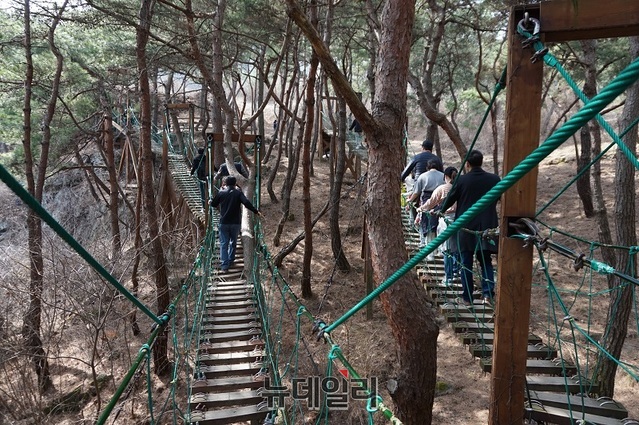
285, 291
627, 77
552, 61
573, 323
501, 84
26, 197
585, 169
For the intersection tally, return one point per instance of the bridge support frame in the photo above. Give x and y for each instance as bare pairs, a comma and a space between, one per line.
561, 20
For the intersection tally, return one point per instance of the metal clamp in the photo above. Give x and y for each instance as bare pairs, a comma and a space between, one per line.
523, 25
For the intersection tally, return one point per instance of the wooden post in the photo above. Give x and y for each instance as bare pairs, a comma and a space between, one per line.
523, 105
560, 20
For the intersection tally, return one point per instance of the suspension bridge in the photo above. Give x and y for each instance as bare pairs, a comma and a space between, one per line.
231, 363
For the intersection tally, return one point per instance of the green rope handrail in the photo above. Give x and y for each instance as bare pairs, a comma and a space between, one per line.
568, 317
142, 354
501, 84
552, 61
627, 77
145, 349
26, 197
586, 168
286, 291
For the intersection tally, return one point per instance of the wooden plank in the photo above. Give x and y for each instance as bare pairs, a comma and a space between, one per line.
234, 398
472, 326
230, 336
486, 316
228, 416
477, 308
231, 357
606, 407
240, 318
537, 366
560, 416
226, 298
233, 383
228, 292
488, 338
558, 384
241, 369
223, 287
230, 304
563, 20
533, 351
226, 347
523, 106
233, 327
246, 138
229, 312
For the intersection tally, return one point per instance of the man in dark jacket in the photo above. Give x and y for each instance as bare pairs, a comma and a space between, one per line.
230, 200
199, 165
468, 189
420, 161
223, 170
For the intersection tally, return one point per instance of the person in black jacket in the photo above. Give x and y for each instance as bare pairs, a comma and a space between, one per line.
468, 189
420, 161
223, 170
230, 200
199, 166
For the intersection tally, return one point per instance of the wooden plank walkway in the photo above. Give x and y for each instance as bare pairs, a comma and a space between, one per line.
186, 185
231, 357
551, 386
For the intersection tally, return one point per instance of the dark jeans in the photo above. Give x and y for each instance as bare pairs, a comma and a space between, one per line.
228, 242
452, 264
487, 274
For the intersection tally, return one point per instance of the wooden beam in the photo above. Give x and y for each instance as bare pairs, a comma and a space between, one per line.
563, 20
523, 106
219, 137
178, 105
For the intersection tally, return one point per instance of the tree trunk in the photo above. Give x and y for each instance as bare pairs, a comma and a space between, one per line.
495, 133
622, 295
160, 359
373, 45
31, 327
337, 180
137, 246
307, 291
291, 172
406, 304
590, 89
113, 188
437, 118
217, 69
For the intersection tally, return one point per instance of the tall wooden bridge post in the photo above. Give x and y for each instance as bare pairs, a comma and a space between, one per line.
560, 20
523, 106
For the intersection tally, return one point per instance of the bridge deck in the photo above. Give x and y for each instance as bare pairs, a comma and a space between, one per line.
231, 354
550, 382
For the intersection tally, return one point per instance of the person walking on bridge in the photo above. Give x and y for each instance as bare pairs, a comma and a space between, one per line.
419, 163
469, 189
230, 200
198, 167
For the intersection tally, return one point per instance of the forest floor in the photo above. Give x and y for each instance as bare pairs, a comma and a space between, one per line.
463, 389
